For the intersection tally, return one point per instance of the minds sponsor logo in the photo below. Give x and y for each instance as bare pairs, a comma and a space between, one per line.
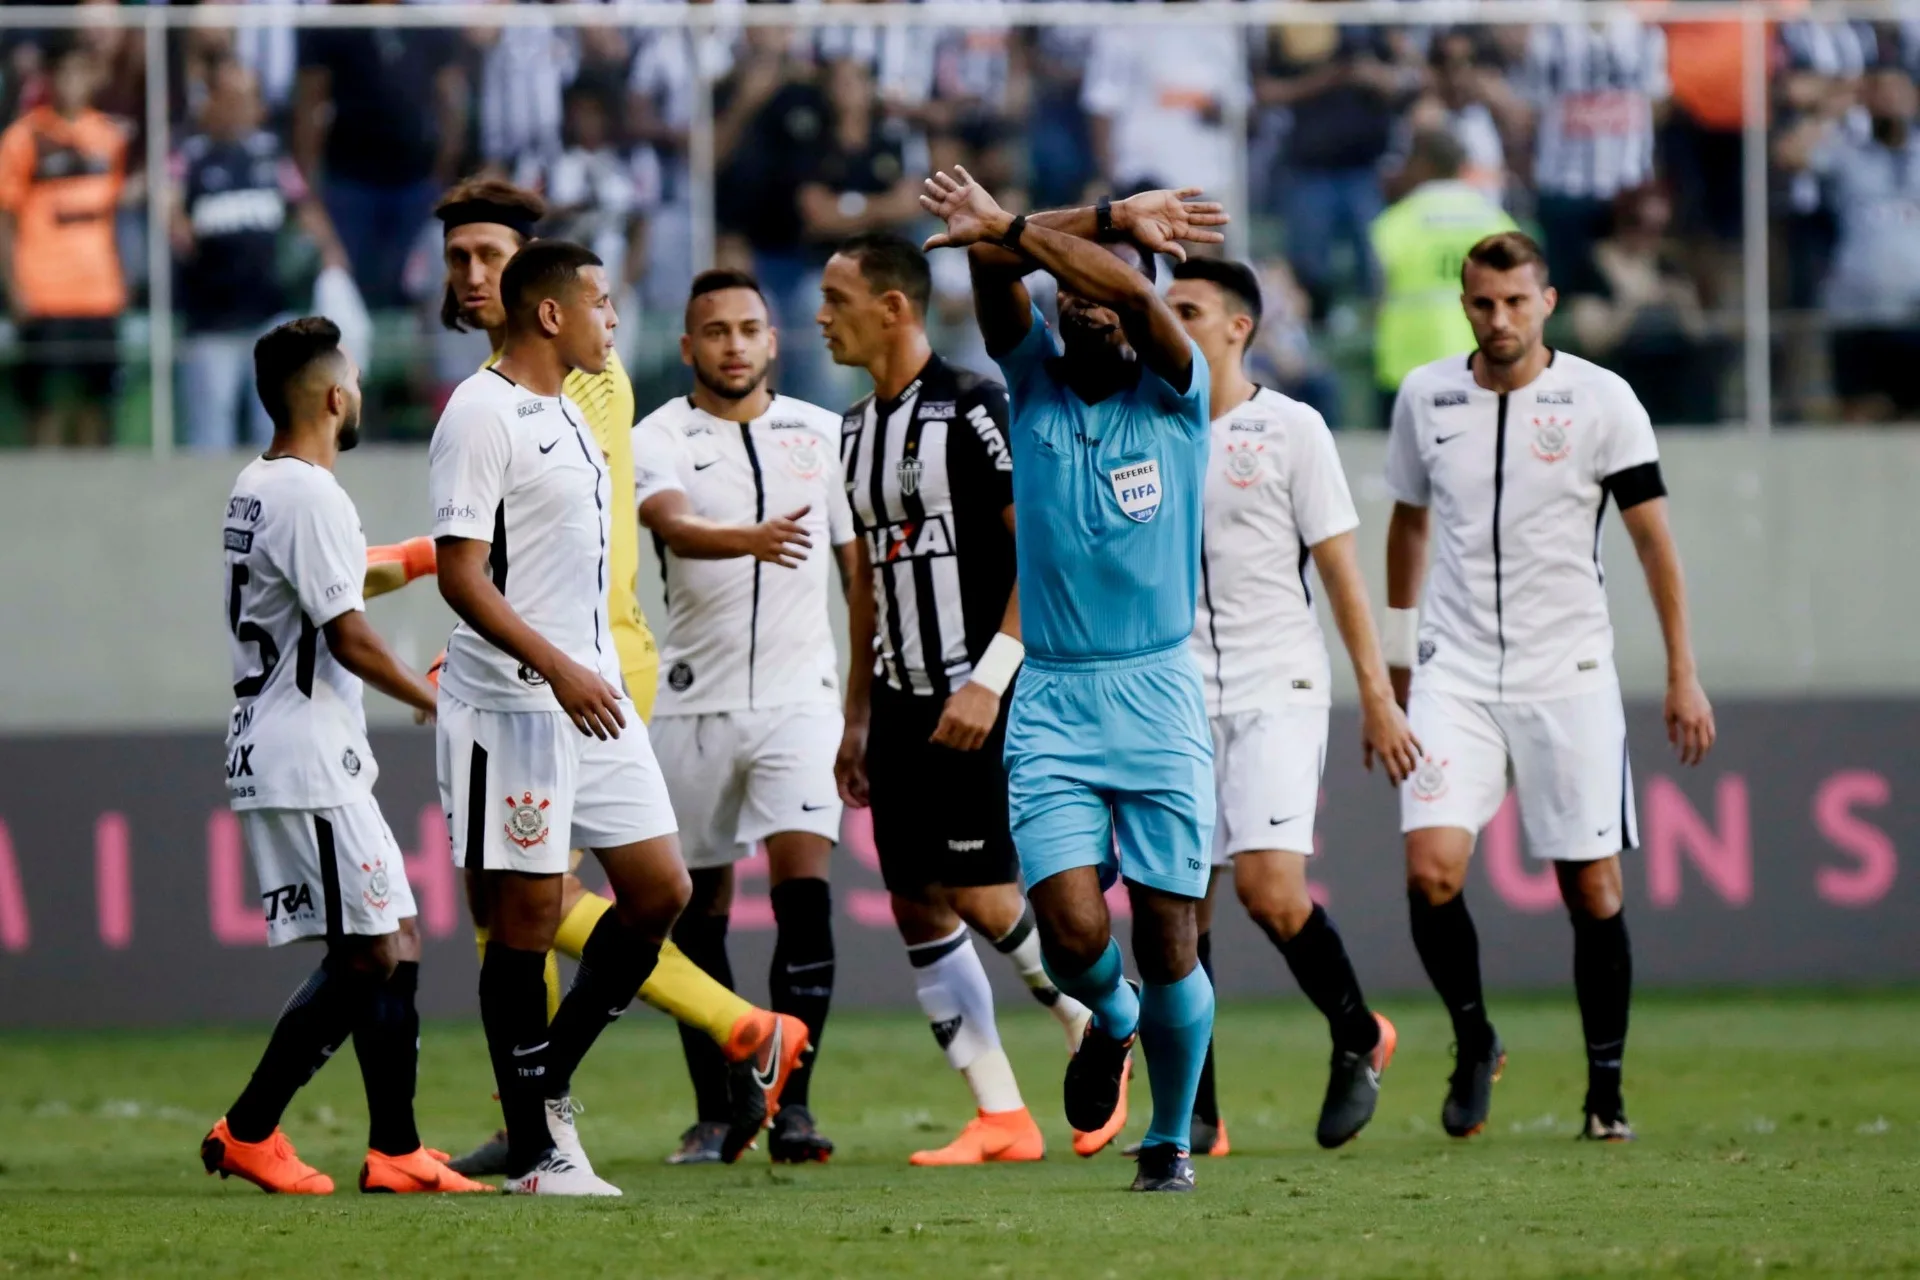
450, 511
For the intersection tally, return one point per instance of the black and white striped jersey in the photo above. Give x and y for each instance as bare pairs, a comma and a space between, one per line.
930, 478
1594, 86
1515, 606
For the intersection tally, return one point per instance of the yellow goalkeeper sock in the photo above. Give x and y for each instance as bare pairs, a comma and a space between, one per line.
678, 988
552, 973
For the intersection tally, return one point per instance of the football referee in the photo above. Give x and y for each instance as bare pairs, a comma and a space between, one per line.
934, 618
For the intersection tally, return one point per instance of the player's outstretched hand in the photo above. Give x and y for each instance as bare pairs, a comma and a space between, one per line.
589, 701
963, 204
1689, 720
1158, 221
967, 718
781, 540
850, 765
1387, 737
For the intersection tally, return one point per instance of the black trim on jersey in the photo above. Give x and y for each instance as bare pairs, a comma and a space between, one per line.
1213, 627
600, 506
1629, 837
1499, 487
1599, 521
304, 656
1636, 485
477, 808
888, 603
933, 650
1306, 558
497, 556
759, 514
329, 877
495, 371
660, 552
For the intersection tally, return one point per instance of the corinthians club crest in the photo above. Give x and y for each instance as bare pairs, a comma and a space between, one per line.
1552, 439
526, 821
1243, 463
803, 456
378, 888
909, 471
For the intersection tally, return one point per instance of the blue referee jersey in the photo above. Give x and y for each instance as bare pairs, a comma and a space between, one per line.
1109, 755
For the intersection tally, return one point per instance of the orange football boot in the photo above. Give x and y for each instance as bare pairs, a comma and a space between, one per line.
419, 1170
270, 1164
990, 1137
773, 1043
1092, 1143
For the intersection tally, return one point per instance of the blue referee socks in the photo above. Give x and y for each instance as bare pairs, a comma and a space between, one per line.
1102, 988
1176, 1025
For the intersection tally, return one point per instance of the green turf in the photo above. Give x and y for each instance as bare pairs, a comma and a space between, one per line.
1777, 1133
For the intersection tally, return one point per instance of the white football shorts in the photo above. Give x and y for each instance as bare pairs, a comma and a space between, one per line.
1266, 777
737, 777
526, 787
1565, 757
327, 873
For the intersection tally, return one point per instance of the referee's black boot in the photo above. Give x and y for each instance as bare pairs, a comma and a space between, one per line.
1096, 1077
1163, 1167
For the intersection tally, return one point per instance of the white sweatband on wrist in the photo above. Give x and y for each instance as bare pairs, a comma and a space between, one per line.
1400, 637
997, 665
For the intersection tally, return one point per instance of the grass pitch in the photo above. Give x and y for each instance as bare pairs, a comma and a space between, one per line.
1778, 1133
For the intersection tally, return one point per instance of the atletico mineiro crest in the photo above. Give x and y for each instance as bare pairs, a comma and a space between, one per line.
909, 470
527, 821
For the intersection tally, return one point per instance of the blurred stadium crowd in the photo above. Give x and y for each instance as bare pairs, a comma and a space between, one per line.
318, 154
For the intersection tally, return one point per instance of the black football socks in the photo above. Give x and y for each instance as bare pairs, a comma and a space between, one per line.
1449, 947
387, 1043
1320, 965
801, 977
316, 1021
1603, 980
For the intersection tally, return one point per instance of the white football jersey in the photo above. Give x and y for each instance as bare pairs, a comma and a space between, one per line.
1515, 608
1275, 488
522, 472
743, 634
295, 561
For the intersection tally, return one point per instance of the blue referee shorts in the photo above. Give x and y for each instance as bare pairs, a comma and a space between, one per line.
1110, 765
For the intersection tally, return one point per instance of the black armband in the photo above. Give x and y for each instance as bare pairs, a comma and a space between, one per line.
1103, 218
1635, 485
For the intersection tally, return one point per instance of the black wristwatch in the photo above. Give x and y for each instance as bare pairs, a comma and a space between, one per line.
1011, 240
1103, 218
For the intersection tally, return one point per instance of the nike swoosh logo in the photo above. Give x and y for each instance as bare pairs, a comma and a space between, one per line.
521, 1053
702, 466
1602, 831
806, 968
1443, 439
548, 448
1281, 822
765, 1081
811, 808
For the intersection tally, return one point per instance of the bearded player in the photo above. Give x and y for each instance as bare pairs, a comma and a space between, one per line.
300, 777
485, 223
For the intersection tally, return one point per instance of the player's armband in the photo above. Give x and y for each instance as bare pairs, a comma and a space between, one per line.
1636, 485
1400, 637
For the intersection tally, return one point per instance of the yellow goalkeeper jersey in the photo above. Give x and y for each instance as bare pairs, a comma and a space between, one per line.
607, 400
